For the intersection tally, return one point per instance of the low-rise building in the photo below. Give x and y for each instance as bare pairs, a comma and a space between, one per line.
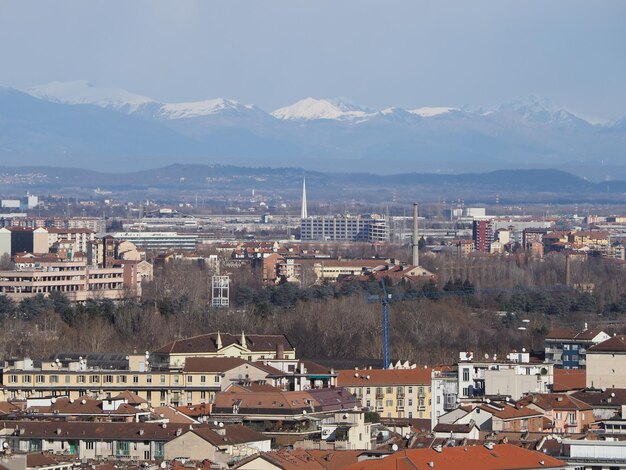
392, 393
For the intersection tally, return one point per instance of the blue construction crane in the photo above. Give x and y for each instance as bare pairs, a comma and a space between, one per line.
384, 301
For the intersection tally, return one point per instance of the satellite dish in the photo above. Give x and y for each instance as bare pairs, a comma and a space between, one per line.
394, 447
523, 349
163, 465
303, 412
486, 356
221, 425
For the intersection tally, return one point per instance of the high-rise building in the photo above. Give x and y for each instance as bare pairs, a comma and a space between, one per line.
482, 234
368, 228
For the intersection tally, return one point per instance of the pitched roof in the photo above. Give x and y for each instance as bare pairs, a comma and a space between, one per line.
501, 457
556, 401
569, 379
130, 397
570, 334
451, 427
614, 344
286, 403
208, 343
381, 377
212, 364
605, 398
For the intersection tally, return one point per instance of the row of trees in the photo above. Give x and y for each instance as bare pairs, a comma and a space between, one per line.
477, 304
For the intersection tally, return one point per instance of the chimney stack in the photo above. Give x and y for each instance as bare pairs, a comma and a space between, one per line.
416, 255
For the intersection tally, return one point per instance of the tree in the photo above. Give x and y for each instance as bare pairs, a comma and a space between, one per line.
6, 264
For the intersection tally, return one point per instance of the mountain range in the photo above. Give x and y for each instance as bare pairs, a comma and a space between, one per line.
78, 124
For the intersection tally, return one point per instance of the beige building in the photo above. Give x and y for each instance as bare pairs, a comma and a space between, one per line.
188, 375
392, 393
75, 279
606, 363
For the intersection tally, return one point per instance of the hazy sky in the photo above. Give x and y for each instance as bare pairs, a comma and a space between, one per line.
376, 53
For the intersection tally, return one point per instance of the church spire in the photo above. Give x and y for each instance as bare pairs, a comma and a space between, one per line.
244, 343
219, 340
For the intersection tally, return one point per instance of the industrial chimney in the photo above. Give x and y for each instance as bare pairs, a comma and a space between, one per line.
416, 255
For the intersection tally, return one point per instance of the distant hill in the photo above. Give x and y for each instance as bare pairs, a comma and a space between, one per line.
199, 177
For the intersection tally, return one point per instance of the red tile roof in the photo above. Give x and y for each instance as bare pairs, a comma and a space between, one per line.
569, 379
614, 344
501, 457
380, 377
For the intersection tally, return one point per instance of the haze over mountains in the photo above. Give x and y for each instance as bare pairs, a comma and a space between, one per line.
77, 124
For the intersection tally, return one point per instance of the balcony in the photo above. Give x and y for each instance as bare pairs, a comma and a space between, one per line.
380, 395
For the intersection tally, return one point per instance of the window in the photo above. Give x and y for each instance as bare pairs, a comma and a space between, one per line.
149, 395
13, 379
162, 379
202, 395
291, 368
203, 379
389, 403
420, 391
438, 400
410, 389
54, 379
566, 347
389, 390
465, 391
410, 402
89, 445
27, 379
399, 390
121, 379
421, 401
575, 347
368, 403
217, 379
368, 390
162, 395
68, 379
40, 379
80, 379
574, 357
95, 379
189, 398
571, 418
190, 379
176, 379
466, 374
135, 379
410, 414
108, 379
148, 379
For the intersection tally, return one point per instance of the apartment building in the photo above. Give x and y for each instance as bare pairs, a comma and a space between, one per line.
482, 234
183, 372
392, 393
75, 279
369, 228
606, 363
78, 237
567, 348
23, 239
133, 441
160, 241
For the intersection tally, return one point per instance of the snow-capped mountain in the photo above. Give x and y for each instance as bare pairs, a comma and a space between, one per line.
202, 108
310, 109
48, 120
83, 92
542, 110
430, 111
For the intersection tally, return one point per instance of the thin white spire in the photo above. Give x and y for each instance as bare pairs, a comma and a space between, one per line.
304, 214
